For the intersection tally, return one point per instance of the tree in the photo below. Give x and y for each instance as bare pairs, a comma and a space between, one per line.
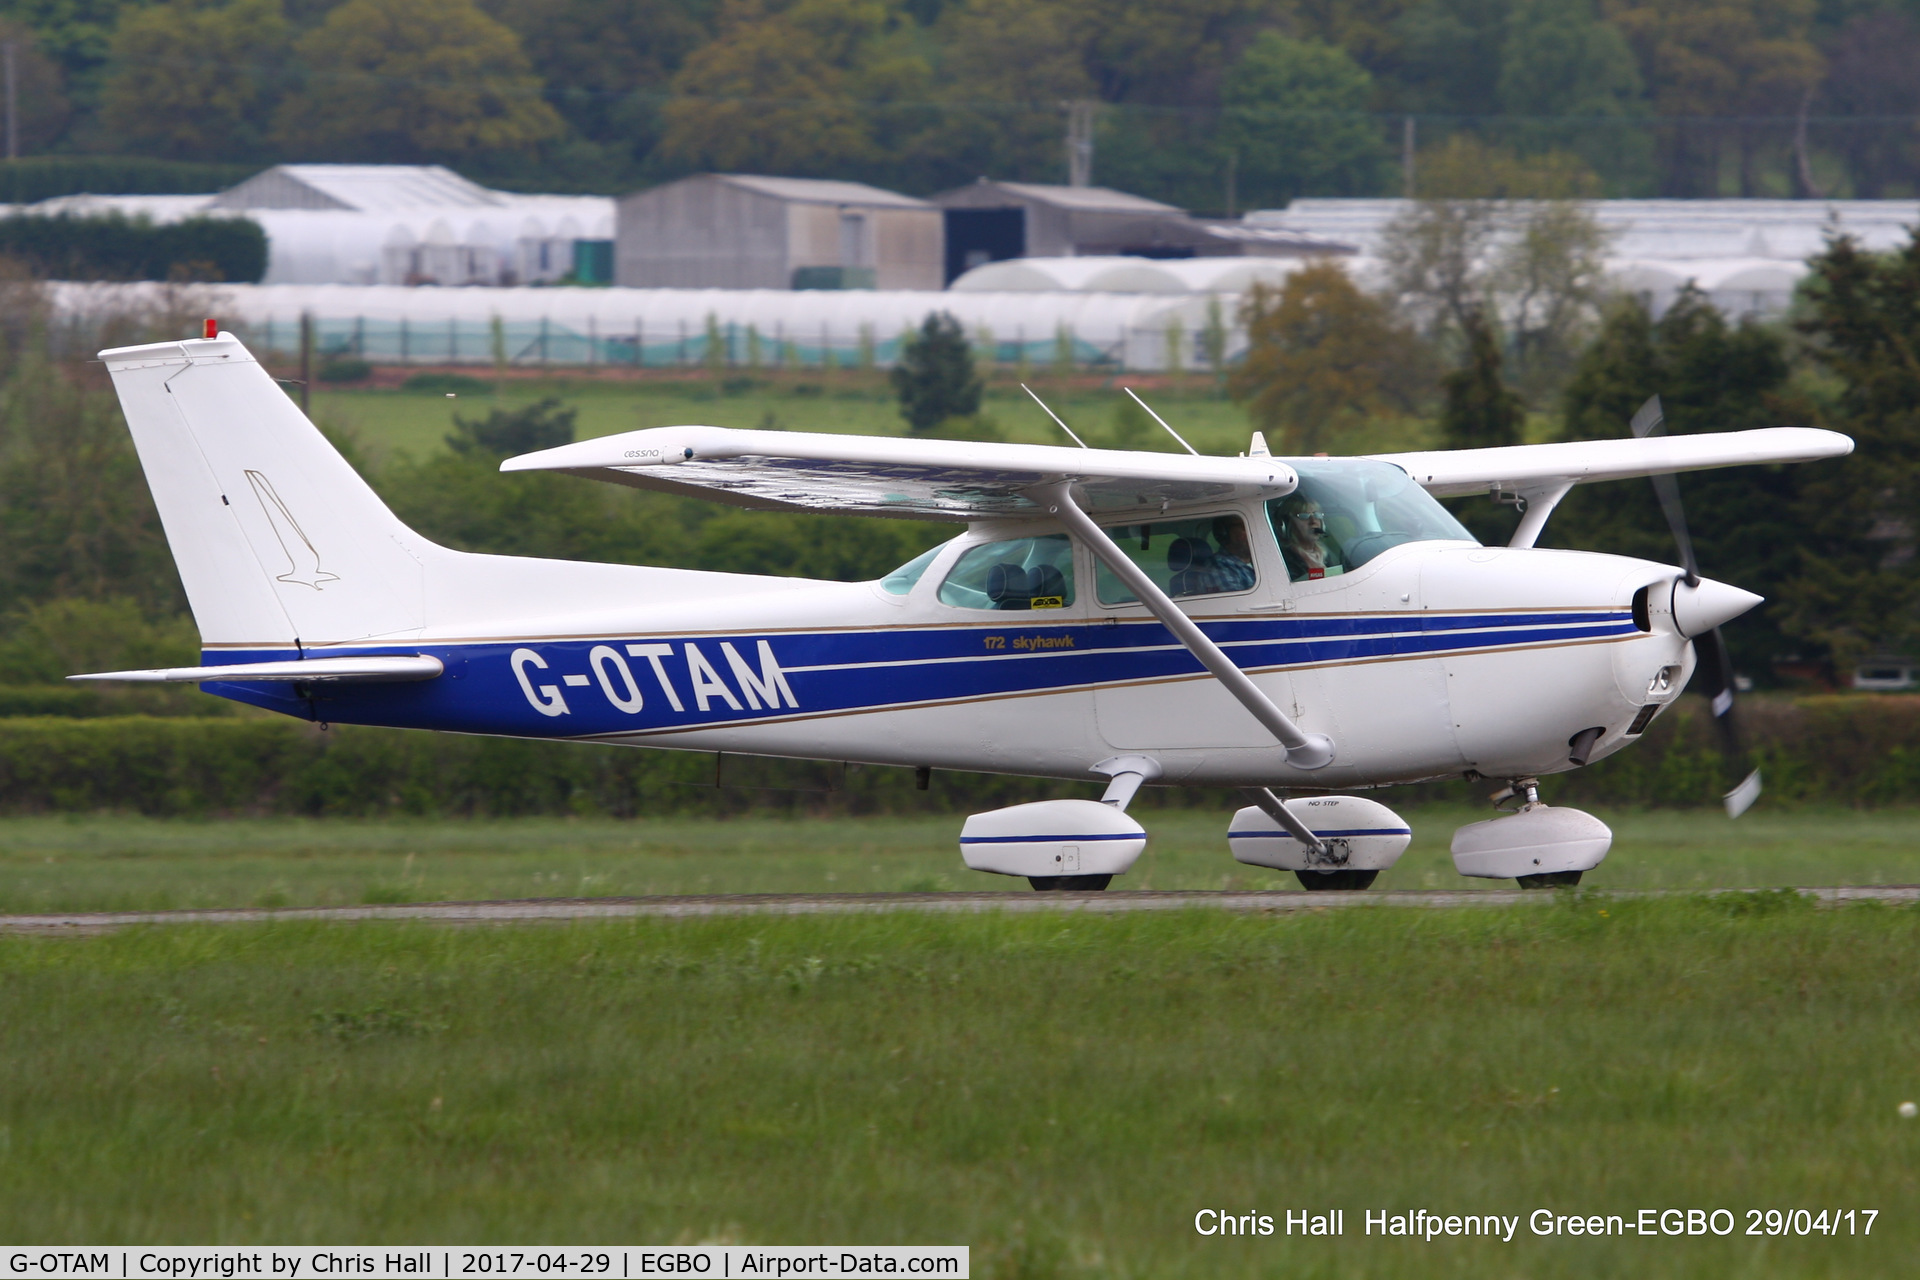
1501, 234
1444, 57
605, 62
40, 93
1023, 57
505, 433
191, 80
1726, 63
413, 80
1322, 356
935, 378
1858, 590
1558, 59
1296, 112
1479, 411
1870, 78
1710, 376
799, 91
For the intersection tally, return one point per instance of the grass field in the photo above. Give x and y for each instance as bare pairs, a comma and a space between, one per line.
92, 863
418, 421
1064, 1095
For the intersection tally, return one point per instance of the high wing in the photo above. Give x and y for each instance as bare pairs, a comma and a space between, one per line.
1545, 467
953, 480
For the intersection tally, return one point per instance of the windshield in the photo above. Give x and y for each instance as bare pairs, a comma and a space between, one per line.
1348, 510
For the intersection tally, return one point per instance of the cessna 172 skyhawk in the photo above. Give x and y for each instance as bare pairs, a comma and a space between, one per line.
1317, 624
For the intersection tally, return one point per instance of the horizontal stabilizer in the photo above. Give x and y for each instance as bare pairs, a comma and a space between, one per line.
354, 670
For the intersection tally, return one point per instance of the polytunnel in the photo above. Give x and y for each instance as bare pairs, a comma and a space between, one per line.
689, 328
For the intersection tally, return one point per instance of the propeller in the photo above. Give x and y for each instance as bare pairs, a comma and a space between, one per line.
1715, 663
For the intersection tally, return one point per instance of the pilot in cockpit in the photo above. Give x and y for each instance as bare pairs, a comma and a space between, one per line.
1309, 550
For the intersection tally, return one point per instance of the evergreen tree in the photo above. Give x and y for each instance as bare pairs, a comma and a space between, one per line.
1480, 413
504, 433
935, 378
1710, 376
1857, 591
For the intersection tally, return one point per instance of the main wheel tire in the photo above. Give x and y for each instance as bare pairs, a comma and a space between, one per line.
1313, 881
1551, 880
1069, 884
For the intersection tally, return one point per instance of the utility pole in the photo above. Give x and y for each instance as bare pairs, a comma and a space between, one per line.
13, 105
1080, 142
1406, 157
306, 363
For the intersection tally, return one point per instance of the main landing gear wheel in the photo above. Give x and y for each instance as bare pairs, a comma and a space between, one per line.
1069, 884
1313, 881
1550, 880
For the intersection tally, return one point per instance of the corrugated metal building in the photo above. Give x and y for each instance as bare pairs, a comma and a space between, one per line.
741, 231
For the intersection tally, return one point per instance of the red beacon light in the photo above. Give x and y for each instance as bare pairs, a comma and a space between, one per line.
212, 327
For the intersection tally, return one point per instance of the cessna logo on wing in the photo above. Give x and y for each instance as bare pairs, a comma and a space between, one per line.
766, 687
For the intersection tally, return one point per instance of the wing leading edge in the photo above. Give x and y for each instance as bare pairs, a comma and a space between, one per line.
1520, 468
958, 480
953, 480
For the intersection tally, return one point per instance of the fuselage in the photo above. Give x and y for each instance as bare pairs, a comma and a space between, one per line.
1432, 659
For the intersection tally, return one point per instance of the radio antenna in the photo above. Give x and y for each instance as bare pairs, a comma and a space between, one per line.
1162, 421
1056, 417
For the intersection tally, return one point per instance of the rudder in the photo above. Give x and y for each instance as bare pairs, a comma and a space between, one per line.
278, 540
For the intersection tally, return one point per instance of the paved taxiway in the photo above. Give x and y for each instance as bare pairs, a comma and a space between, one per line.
557, 909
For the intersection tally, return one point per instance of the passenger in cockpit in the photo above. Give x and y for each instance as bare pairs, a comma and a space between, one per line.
1309, 550
1233, 561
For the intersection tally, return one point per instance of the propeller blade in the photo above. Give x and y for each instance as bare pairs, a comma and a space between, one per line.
1668, 491
1716, 672
1648, 419
1715, 663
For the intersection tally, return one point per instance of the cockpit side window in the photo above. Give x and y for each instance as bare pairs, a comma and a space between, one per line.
1020, 573
1346, 511
1200, 557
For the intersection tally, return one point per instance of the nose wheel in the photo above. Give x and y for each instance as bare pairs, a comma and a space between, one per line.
1314, 881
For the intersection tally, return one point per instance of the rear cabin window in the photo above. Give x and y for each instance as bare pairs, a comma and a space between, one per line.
1021, 573
1203, 557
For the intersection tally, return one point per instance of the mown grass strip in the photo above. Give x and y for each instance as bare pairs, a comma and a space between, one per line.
1062, 1093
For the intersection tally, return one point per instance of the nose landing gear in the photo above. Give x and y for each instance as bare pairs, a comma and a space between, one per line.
1536, 845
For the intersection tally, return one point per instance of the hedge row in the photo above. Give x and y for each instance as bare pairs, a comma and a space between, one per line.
113, 247
34, 178
1861, 751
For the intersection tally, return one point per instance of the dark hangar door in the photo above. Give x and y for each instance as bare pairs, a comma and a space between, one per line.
976, 236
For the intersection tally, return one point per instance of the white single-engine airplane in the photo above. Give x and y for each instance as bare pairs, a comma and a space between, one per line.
1317, 624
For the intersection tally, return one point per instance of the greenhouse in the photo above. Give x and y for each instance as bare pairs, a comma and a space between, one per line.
692, 328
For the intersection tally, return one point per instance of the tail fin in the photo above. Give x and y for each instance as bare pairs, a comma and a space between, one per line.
279, 541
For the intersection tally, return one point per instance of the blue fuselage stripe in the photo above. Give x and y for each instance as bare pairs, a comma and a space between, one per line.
597, 687
1123, 835
1288, 835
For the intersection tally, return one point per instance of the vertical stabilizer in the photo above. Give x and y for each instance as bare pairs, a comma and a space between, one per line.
277, 538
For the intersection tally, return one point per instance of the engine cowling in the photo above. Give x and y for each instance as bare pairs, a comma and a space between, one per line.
1052, 838
1360, 835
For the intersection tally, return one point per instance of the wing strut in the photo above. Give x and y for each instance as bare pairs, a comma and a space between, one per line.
1304, 750
1276, 808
